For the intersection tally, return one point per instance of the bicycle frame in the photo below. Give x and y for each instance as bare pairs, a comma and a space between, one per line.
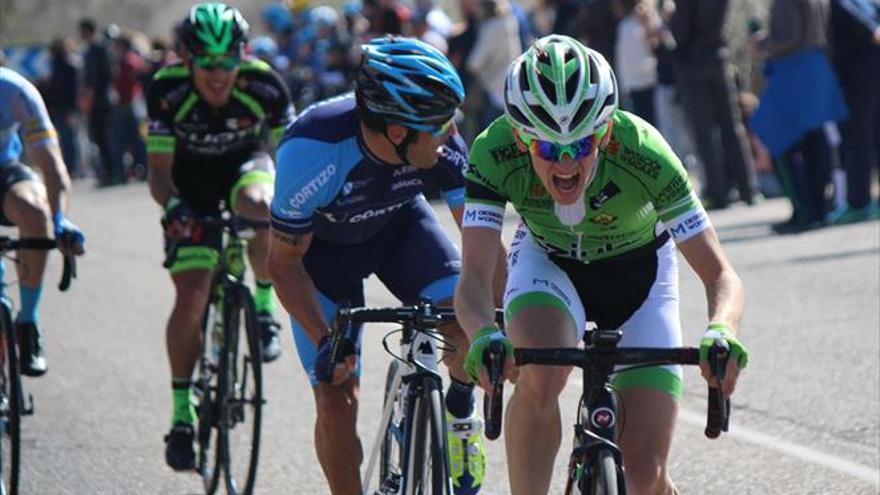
596, 426
418, 367
420, 361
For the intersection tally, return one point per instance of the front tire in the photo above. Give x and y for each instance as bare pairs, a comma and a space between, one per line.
427, 466
11, 403
604, 478
241, 382
209, 457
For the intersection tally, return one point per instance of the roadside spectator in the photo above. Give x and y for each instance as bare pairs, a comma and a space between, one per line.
708, 90
636, 66
800, 96
553, 17
855, 26
597, 27
387, 17
131, 109
497, 44
62, 91
97, 101
671, 119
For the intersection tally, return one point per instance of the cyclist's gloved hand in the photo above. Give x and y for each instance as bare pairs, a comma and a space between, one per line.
324, 369
738, 352
178, 215
70, 238
484, 336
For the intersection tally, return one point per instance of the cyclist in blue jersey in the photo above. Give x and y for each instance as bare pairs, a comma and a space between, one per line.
214, 118
348, 204
36, 206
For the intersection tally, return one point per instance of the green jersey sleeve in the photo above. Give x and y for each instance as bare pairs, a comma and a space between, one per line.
666, 180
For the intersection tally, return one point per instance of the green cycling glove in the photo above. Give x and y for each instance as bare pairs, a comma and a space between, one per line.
738, 352
480, 342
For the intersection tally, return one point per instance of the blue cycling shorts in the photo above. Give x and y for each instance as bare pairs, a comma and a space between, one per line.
412, 256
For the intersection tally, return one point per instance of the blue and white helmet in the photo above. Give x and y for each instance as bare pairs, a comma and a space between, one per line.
408, 82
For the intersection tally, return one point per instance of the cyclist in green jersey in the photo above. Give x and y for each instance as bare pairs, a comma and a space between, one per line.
214, 119
604, 204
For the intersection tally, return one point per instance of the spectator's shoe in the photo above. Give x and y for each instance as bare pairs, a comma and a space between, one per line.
30, 349
467, 457
269, 337
795, 226
848, 214
179, 453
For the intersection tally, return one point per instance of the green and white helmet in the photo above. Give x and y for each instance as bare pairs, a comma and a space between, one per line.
213, 29
559, 90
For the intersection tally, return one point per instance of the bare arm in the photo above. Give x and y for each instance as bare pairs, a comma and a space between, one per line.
292, 283
724, 289
159, 177
499, 279
724, 293
474, 294
51, 164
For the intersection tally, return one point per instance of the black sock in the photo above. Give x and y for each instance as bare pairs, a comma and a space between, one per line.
460, 398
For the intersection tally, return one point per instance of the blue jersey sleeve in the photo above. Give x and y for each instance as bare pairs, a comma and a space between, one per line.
29, 110
307, 178
449, 172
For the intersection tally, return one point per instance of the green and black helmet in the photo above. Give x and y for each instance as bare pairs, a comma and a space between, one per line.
213, 29
559, 90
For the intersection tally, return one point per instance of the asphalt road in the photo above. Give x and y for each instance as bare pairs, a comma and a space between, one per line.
806, 416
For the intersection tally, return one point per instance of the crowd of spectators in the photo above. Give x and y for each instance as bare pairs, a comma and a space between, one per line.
741, 141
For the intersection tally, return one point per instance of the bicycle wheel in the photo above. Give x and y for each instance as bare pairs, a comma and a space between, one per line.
604, 474
241, 380
209, 454
391, 461
11, 403
425, 446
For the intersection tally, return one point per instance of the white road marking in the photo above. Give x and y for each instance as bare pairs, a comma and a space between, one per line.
839, 464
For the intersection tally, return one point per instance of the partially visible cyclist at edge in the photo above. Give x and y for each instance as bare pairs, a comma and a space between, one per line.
604, 204
36, 206
214, 118
348, 203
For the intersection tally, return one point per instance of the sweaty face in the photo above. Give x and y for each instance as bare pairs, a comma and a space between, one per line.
214, 85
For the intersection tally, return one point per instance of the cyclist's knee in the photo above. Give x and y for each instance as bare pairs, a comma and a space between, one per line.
253, 201
542, 385
27, 206
335, 405
193, 287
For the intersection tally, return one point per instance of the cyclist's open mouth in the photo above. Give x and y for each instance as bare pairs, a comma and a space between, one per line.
566, 183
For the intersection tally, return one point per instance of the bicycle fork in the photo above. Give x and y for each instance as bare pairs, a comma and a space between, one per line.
594, 432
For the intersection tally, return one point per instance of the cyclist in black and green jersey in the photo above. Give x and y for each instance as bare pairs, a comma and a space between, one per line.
604, 204
213, 119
